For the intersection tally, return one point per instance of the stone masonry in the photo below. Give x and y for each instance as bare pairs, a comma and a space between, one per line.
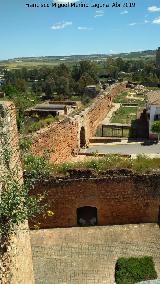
16, 263
62, 139
120, 198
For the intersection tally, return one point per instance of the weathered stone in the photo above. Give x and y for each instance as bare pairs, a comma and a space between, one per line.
120, 198
16, 260
64, 137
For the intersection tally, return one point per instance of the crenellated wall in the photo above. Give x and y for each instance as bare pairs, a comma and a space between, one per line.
16, 262
64, 137
120, 198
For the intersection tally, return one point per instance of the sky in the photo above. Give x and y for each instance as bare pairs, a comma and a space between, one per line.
35, 31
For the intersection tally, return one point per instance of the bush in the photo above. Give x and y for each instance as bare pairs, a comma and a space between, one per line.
25, 144
35, 126
36, 168
133, 270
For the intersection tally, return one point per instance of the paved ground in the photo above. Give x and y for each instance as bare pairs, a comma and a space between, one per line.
88, 255
133, 148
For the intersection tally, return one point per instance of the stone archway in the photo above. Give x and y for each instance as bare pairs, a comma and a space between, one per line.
82, 137
87, 216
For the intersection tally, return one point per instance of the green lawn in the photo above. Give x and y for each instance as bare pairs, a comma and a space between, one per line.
124, 98
121, 98
125, 115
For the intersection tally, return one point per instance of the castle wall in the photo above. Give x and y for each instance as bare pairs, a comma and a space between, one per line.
119, 199
62, 139
16, 262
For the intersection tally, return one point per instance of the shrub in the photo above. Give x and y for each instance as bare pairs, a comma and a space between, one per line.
132, 270
36, 168
16, 204
63, 168
25, 144
35, 126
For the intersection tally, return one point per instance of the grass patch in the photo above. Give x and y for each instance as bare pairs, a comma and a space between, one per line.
124, 98
141, 164
132, 270
41, 123
124, 115
40, 166
121, 98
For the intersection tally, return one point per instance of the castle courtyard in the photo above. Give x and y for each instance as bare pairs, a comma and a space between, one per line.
87, 255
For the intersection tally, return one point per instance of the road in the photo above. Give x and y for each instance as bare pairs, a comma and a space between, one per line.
126, 149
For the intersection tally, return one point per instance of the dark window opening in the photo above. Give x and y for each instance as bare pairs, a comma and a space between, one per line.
87, 216
82, 137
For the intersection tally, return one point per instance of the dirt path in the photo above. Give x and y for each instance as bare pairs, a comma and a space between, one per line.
115, 107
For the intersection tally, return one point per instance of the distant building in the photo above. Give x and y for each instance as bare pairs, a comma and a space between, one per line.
158, 57
153, 109
52, 108
91, 90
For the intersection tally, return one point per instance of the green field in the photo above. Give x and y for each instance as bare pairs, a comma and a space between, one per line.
124, 97
125, 115
28, 64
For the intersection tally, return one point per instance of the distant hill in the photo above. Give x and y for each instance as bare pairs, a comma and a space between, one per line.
146, 54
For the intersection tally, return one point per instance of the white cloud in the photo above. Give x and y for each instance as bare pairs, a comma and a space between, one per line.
124, 12
99, 15
132, 24
153, 9
61, 25
156, 21
100, 12
84, 29
146, 21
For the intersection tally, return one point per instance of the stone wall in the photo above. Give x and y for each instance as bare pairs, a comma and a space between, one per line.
16, 262
63, 139
119, 198
96, 113
60, 139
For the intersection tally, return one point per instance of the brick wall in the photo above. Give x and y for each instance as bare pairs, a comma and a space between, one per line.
119, 199
98, 110
59, 138
64, 137
17, 261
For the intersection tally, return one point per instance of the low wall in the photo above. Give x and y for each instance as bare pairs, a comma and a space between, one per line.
119, 198
16, 261
64, 137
